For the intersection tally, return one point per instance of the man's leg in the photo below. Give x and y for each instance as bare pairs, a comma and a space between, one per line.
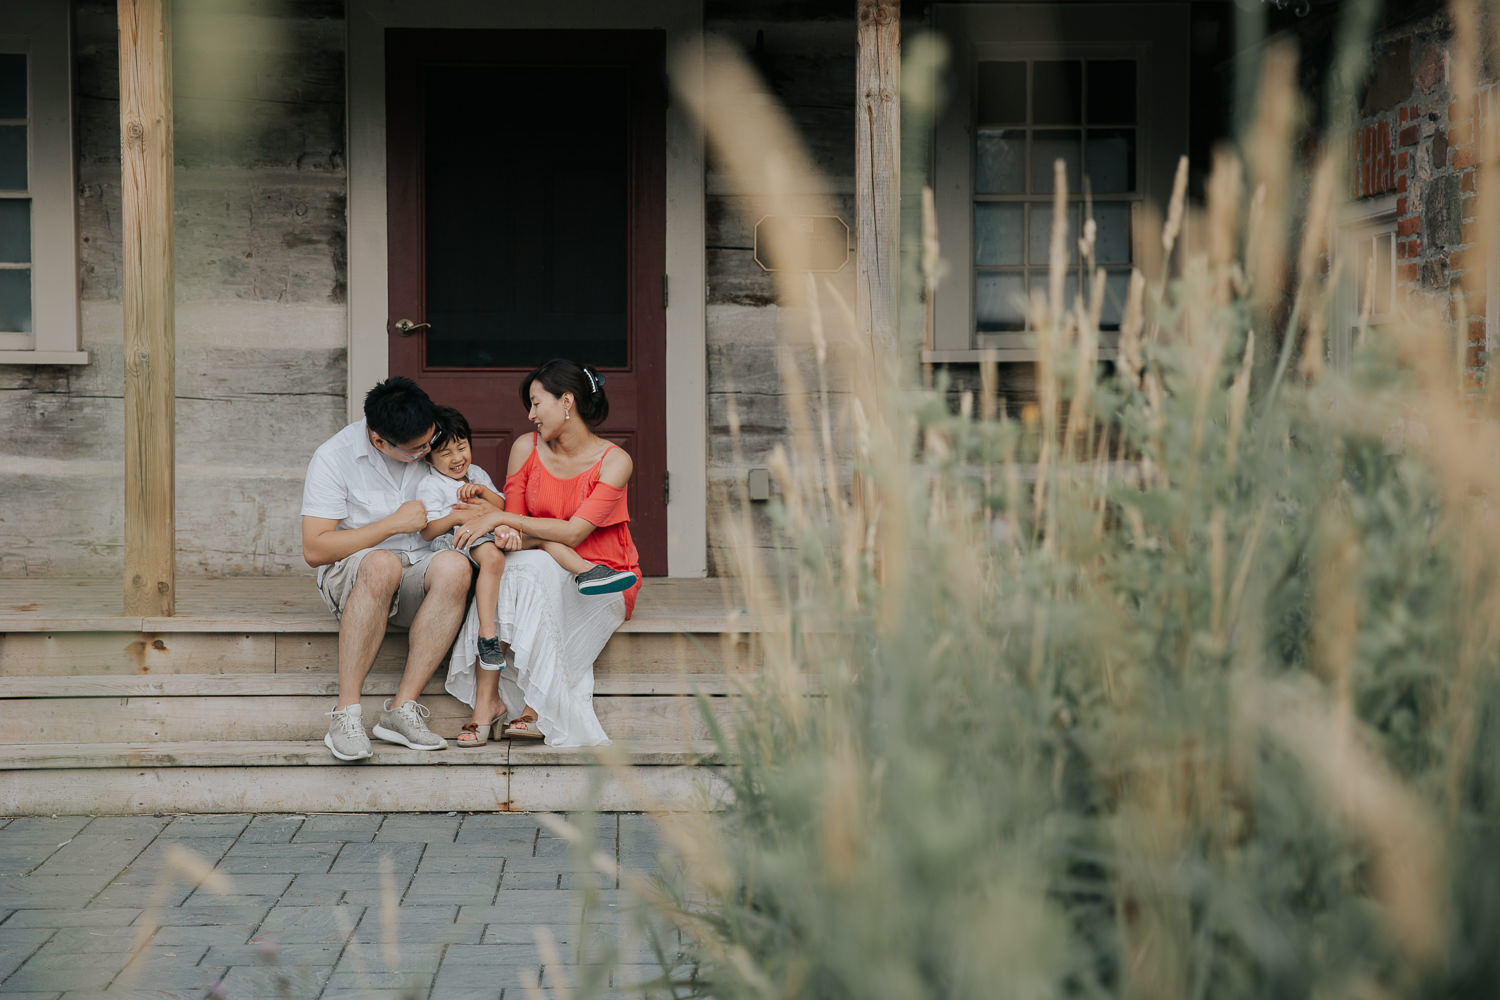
446, 586
362, 624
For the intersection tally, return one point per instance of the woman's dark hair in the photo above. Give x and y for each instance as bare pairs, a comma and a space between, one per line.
587, 386
450, 424
398, 410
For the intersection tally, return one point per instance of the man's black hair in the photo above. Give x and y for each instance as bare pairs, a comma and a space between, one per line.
451, 424
398, 410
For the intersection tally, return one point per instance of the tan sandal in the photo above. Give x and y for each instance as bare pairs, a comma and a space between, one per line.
475, 735
523, 729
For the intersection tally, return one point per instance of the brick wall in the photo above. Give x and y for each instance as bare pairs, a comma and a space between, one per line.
1414, 140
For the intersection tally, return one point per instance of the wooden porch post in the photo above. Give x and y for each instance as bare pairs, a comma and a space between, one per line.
146, 222
877, 172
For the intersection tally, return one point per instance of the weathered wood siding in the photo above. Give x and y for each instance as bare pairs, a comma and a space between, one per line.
806, 54
261, 322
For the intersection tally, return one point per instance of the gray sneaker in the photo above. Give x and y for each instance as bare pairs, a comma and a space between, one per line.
491, 656
346, 734
404, 725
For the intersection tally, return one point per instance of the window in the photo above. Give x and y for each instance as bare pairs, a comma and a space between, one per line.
1369, 277
38, 254
1035, 88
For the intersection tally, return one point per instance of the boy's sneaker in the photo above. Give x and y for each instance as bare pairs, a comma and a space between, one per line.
603, 580
491, 656
346, 734
404, 725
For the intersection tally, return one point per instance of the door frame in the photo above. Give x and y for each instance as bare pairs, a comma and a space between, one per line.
686, 351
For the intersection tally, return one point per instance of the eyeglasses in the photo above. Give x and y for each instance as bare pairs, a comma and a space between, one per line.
423, 448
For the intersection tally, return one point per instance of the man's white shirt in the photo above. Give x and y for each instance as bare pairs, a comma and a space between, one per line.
351, 482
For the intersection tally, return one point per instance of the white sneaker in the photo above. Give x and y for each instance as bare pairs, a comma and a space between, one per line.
404, 725
346, 734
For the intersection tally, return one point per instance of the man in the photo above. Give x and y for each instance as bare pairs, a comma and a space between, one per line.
360, 527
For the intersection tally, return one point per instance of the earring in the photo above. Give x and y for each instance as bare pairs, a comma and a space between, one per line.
567, 414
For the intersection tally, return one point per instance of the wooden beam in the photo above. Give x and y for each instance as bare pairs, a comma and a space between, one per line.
877, 172
146, 223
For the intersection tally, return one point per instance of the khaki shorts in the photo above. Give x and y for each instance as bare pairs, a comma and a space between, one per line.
338, 583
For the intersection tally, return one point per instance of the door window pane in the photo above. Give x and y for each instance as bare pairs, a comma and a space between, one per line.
15, 231
526, 182
1047, 147
12, 85
1111, 156
1111, 92
999, 302
1057, 92
999, 234
1002, 93
1000, 161
1041, 284
15, 301
12, 157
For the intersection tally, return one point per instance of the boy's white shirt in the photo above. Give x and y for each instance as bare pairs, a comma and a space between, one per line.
439, 493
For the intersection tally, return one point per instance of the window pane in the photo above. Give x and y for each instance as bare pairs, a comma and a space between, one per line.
12, 157
1039, 246
15, 301
1002, 93
1041, 285
999, 234
12, 85
1049, 146
1111, 154
999, 302
1111, 97
1000, 161
1057, 93
15, 231
1111, 233
1116, 290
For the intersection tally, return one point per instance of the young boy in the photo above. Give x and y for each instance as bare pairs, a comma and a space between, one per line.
458, 479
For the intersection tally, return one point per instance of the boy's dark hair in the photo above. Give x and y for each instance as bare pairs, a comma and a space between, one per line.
398, 410
451, 424
587, 386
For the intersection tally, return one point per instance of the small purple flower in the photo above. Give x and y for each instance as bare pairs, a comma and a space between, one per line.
266, 946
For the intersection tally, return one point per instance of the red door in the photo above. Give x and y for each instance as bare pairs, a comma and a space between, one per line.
526, 215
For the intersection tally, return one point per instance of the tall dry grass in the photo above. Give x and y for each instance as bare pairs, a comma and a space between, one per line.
1182, 683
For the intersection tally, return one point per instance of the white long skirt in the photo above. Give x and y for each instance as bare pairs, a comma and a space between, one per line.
554, 634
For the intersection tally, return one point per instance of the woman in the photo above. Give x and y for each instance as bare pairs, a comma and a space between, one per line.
563, 484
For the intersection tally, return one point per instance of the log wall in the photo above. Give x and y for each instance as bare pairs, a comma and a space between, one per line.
261, 321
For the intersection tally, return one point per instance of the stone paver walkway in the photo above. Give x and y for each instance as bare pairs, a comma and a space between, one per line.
320, 906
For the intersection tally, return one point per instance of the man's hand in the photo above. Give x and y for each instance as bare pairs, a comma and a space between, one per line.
410, 516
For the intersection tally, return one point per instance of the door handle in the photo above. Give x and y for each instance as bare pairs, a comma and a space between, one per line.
406, 327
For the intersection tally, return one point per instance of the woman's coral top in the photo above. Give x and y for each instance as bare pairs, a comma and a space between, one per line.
532, 491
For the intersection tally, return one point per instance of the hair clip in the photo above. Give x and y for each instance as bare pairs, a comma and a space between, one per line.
595, 381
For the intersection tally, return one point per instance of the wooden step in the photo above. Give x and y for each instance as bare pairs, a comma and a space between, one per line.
304, 717
299, 776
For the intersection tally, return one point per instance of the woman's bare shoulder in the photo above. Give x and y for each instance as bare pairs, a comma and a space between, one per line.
617, 467
520, 449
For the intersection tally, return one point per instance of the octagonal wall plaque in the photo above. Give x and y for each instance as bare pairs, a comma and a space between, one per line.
823, 241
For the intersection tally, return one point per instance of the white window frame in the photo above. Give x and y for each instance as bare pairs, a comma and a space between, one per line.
1363, 222
1155, 35
42, 31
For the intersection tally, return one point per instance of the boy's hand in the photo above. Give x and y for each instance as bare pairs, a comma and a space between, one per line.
469, 491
